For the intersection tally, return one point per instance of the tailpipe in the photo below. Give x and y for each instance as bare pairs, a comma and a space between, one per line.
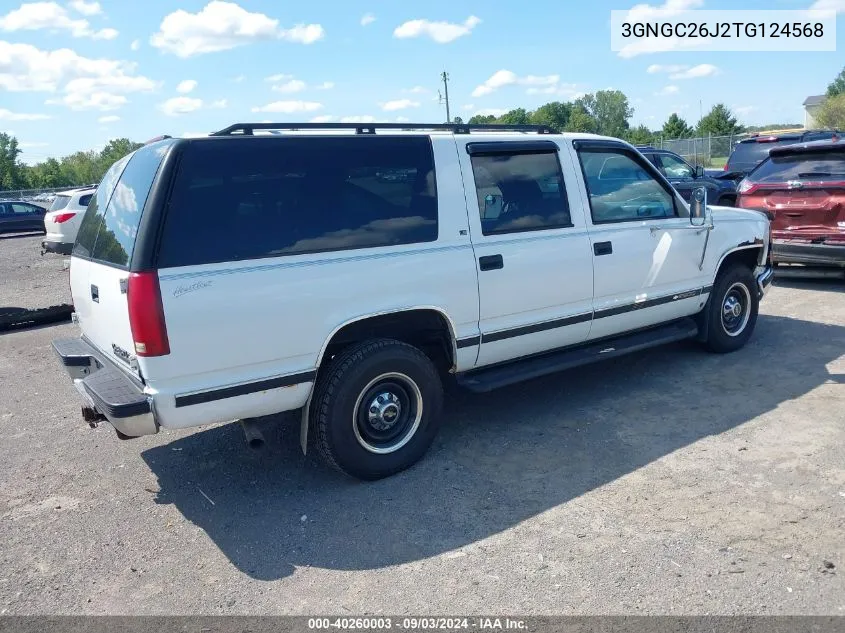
253, 435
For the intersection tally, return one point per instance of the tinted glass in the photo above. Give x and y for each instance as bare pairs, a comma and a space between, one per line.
674, 167
621, 189
84, 200
818, 166
236, 199
59, 203
93, 218
746, 156
116, 237
520, 192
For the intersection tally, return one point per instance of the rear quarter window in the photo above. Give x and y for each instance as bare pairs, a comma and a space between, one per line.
236, 199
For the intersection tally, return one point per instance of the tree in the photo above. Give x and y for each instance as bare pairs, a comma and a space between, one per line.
114, 151
555, 115
482, 119
831, 114
581, 121
676, 127
837, 86
720, 121
640, 135
609, 109
517, 116
11, 170
457, 120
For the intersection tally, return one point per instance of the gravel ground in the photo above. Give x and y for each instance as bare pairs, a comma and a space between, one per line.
29, 280
667, 482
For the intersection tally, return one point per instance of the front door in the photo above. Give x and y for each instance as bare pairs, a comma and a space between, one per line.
532, 250
678, 173
646, 254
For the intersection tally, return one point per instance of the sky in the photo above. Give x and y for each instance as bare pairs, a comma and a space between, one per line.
76, 73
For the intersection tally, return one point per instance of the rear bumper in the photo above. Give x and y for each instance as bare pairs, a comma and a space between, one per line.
62, 248
106, 388
792, 252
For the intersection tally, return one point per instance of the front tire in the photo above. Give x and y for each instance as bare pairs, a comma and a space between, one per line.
733, 307
377, 408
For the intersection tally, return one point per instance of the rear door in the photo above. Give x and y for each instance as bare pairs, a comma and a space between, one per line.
30, 217
103, 251
535, 274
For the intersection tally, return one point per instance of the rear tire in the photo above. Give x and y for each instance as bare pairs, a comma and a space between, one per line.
376, 408
733, 307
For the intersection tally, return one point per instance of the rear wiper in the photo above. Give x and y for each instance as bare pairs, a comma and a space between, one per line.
823, 174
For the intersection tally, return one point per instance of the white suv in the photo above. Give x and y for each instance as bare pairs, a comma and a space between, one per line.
349, 274
61, 223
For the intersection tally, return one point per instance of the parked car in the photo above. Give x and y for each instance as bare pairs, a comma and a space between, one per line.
802, 189
20, 216
750, 152
61, 223
686, 178
244, 274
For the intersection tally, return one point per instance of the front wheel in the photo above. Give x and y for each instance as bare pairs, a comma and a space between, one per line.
377, 408
733, 309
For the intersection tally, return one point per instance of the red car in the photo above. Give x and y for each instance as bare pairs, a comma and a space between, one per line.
802, 189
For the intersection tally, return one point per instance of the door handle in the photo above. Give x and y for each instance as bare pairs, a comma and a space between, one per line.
490, 262
95, 293
603, 248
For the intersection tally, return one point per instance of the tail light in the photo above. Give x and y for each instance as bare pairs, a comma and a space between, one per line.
725, 168
745, 186
62, 217
146, 314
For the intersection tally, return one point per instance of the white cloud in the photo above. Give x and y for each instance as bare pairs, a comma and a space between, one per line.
34, 16
86, 8
743, 110
110, 118
180, 105
278, 77
368, 18
702, 70
323, 118
289, 107
99, 100
672, 68
440, 32
502, 78
365, 118
399, 104
135, 45
417, 90
666, 91
219, 104
829, 5
221, 26
291, 86
31, 145
468, 107
645, 12
186, 86
402, 119
570, 91
326, 85
8, 115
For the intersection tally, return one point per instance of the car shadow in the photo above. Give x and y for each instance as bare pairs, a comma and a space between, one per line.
12, 236
816, 284
500, 458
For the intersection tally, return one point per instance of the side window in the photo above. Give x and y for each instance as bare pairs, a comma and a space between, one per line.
520, 192
268, 197
674, 167
84, 200
620, 188
23, 209
93, 218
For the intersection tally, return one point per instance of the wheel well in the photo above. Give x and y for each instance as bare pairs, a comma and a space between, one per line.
750, 257
426, 330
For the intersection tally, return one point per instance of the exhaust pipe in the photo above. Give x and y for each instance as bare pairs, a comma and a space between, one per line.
253, 435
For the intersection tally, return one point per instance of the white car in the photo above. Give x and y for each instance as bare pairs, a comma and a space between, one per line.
61, 223
243, 274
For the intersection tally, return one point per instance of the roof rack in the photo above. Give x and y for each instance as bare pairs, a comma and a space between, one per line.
370, 128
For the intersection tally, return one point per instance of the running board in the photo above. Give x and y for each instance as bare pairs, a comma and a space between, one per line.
488, 379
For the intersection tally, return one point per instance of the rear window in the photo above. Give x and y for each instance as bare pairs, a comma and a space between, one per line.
236, 199
110, 225
747, 155
808, 166
59, 203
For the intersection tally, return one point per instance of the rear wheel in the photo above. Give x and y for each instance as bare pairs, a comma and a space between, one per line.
733, 309
377, 408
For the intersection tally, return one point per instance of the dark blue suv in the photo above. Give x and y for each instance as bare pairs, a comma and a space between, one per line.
684, 177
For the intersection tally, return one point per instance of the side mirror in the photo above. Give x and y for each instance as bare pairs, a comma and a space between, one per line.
698, 207
699, 171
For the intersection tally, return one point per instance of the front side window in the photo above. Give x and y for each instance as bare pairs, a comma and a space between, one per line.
674, 167
621, 189
520, 192
236, 199
23, 209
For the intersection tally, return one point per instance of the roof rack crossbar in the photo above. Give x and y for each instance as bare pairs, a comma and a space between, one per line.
249, 129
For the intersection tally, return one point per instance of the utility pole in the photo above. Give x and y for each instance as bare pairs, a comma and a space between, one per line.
445, 77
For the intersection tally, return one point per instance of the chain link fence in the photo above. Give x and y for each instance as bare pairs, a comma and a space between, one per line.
709, 151
41, 197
